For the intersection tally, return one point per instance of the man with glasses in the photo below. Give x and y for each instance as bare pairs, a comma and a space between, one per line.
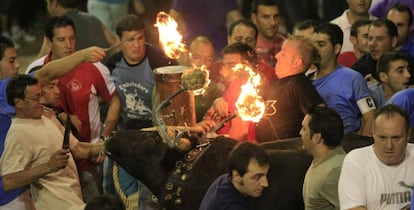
9, 67
34, 155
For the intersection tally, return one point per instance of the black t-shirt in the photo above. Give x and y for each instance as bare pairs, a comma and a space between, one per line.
287, 101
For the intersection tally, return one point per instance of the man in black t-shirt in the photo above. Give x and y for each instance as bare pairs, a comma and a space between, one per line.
290, 97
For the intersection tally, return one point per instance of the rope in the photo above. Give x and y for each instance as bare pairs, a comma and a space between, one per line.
131, 202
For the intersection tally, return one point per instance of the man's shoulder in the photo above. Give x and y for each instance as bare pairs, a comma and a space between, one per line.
341, 20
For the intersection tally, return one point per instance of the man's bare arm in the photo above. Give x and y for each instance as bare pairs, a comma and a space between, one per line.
58, 68
112, 117
367, 121
57, 161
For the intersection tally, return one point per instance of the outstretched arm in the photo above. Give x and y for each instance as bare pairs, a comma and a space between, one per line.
58, 68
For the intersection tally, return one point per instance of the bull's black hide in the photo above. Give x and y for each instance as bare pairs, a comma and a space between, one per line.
145, 156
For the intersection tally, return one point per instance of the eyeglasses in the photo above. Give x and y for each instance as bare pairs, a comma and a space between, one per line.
203, 59
34, 98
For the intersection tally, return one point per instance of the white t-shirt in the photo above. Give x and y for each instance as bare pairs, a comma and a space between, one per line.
366, 181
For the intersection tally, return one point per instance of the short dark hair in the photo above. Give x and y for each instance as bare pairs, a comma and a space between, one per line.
391, 28
17, 86
390, 110
403, 8
4, 44
385, 60
336, 36
243, 153
256, 3
105, 202
244, 22
357, 24
129, 23
309, 23
247, 53
57, 22
67, 3
328, 123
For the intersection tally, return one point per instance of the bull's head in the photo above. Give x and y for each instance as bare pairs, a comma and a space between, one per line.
144, 155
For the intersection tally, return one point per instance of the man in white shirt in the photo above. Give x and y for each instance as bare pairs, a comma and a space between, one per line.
380, 176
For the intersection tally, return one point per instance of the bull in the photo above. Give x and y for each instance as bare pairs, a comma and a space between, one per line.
180, 176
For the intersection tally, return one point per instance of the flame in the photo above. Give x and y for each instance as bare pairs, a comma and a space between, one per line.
170, 39
196, 79
250, 105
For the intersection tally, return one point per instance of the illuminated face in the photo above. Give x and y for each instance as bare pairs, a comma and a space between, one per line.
9, 66
398, 76
51, 94
133, 46
362, 39
253, 181
359, 7
286, 60
63, 42
201, 54
379, 42
30, 106
390, 139
267, 20
401, 20
325, 48
243, 34
229, 61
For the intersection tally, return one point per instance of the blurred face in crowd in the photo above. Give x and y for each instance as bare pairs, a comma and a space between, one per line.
390, 139
361, 40
244, 34
398, 76
327, 51
289, 61
133, 46
9, 66
253, 181
379, 42
267, 20
305, 134
401, 20
63, 42
51, 94
229, 61
201, 54
359, 7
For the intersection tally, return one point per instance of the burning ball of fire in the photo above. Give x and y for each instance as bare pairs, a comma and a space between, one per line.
170, 39
195, 80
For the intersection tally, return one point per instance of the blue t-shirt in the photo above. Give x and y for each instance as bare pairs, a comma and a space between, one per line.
5, 107
404, 99
134, 84
341, 90
378, 94
6, 113
222, 195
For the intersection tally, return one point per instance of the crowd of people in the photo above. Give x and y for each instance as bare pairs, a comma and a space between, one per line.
95, 73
